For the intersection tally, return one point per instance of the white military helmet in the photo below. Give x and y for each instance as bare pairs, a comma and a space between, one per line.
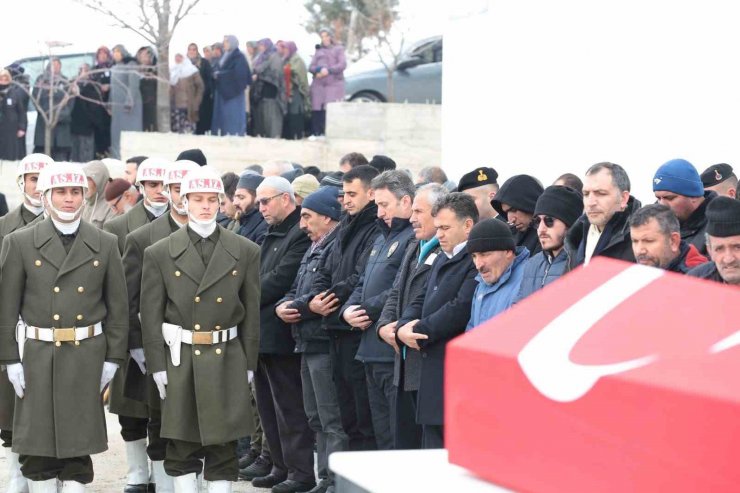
177, 171
33, 163
202, 180
152, 169
61, 175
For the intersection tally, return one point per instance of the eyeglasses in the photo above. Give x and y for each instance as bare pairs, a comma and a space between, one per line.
266, 200
548, 220
114, 204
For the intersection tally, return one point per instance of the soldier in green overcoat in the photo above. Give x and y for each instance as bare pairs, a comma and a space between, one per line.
63, 333
29, 212
137, 385
133, 415
200, 297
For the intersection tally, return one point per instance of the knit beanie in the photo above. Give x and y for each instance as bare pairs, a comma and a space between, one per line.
519, 192
116, 188
723, 217
678, 176
333, 180
249, 181
305, 185
490, 235
195, 155
324, 201
560, 202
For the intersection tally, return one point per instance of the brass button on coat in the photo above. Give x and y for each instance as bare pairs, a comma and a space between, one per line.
196, 326
219, 300
56, 289
57, 344
233, 272
197, 299
218, 327
79, 317
56, 316
197, 352
218, 351
38, 263
80, 289
177, 273
96, 263
77, 343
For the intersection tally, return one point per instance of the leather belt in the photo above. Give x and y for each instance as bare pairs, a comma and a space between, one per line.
208, 337
63, 334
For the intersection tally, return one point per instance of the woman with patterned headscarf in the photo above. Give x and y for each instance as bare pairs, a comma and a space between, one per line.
268, 94
296, 90
231, 77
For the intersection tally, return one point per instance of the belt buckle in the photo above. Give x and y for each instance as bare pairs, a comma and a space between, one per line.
203, 338
67, 334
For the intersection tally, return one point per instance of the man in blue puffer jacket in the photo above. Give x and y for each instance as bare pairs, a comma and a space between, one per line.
556, 211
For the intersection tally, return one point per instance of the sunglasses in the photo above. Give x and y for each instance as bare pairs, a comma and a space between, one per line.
266, 200
548, 220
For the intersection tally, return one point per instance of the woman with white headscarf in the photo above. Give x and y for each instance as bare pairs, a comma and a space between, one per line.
231, 78
186, 94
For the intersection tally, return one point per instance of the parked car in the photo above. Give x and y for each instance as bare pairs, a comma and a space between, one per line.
34, 66
416, 79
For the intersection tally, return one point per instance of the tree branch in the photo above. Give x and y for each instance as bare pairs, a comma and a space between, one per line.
181, 15
97, 6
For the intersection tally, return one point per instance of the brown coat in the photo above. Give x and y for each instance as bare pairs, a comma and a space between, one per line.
188, 93
208, 398
61, 414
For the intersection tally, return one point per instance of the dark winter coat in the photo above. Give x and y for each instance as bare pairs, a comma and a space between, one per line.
443, 312
349, 255
688, 258
233, 77
409, 284
530, 239
12, 119
693, 228
706, 271
206, 104
376, 282
541, 270
61, 135
252, 226
87, 114
309, 333
615, 241
282, 251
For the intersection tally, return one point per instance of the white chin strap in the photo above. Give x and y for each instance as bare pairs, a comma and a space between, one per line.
204, 229
155, 208
33, 204
63, 216
67, 228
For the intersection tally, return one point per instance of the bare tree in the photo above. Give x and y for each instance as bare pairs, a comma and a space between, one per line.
387, 39
155, 21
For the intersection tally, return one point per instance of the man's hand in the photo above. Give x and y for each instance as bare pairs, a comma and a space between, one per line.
388, 334
324, 303
357, 317
20, 133
407, 335
288, 315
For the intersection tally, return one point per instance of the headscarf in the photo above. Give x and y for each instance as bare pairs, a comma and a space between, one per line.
152, 54
292, 49
197, 60
107, 64
261, 58
233, 45
125, 55
182, 70
328, 31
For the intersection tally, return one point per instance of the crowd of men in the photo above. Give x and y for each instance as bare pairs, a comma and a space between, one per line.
245, 321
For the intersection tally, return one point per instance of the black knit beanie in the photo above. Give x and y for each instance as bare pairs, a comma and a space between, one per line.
723, 217
194, 155
490, 235
560, 202
519, 192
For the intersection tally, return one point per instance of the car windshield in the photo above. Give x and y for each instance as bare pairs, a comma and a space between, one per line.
34, 67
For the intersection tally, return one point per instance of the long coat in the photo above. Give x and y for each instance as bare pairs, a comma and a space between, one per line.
16, 219
61, 414
121, 226
443, 311
125, 100
330, 88
208, 398
12, 119
61, 135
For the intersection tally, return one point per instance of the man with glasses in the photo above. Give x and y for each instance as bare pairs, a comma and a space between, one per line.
515, 203
121, 196
557, 209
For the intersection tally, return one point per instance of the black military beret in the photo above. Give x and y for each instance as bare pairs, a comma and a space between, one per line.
477, 178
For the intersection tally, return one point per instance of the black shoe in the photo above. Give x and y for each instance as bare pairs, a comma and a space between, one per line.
267, 481
247, 459
136, 488
260, 467
152, 488
322, 487
290, 486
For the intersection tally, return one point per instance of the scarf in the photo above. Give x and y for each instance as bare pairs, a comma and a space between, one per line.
182, 71
233, 46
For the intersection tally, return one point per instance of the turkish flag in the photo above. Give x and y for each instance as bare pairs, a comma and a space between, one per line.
617, 377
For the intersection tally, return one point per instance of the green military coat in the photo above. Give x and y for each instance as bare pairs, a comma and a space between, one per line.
121, 226
12, 221
61, 414
208, 394
133, 259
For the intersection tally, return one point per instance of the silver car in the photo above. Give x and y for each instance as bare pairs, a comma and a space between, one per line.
416, 79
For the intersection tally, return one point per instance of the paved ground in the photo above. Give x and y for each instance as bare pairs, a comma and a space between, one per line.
110, 466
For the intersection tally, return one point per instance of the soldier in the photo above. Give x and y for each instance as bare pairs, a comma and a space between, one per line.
132, 414
27, 175
200, 295
63, 329
136, 383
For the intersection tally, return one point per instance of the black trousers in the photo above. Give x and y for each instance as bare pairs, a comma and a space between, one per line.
407, 432
318, 122
284, 421
78, 469
432, 436
218, 462
382, 397
133, 429
7, 437
354, 403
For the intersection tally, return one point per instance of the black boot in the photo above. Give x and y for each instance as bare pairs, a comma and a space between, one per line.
259, 468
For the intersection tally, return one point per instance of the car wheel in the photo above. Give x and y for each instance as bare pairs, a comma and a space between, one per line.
367, 97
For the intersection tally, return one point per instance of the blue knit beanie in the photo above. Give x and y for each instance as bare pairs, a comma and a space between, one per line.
324, 201
678, 176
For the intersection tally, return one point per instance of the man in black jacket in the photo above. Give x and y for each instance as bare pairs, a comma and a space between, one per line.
251, 223
278, 375
333, 286
442, 312
515, 202
320, 214
604, 228
394, 194
410, 283
723, 243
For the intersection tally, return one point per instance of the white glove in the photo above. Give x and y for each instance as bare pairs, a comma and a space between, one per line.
160, 378
250, 376
17, 378
138, 356
109, 369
